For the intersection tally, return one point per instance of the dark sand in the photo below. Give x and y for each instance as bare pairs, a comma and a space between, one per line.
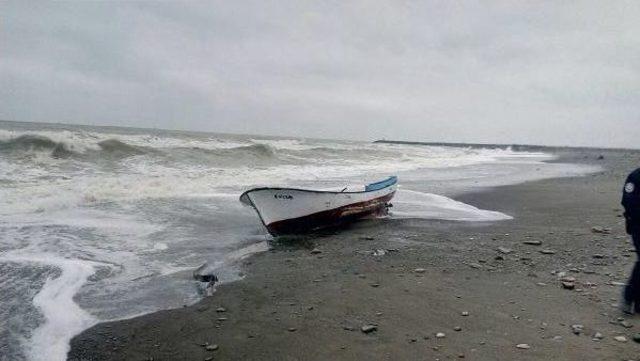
295, 305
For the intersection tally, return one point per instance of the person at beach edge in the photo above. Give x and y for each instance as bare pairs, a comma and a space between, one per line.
631, 203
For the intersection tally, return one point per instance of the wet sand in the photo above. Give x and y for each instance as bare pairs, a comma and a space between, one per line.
434, 277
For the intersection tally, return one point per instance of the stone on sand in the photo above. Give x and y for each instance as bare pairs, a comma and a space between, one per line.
419, 270
369, 328
577, 329
316, 251
626, 324
601, 230
440, 335
504, 250
211, 347
620, 339
523, 346
533, 242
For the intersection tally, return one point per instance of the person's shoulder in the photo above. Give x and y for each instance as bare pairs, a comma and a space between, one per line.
635, 175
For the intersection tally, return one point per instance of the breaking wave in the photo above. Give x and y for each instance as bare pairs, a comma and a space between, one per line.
90, 147
34, 143
30, 144
119, 148
258, 151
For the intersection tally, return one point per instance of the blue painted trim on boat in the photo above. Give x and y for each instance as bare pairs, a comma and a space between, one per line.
381, 184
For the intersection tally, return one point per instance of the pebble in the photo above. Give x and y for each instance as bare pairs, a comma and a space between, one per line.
600, 230
543, 326
620, 339
316, 251
568, 285
208, 358
419, 270
465, 313
369, 328
211, 347
636, 337
292, 329
533, 242
547, 251
523, 346
374, 285
221, 309
626, 324
440, 335
504, 250
598, 336
457, 328
577, 329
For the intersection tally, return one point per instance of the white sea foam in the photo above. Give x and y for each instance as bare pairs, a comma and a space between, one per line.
413, 204
63, 317
151, 180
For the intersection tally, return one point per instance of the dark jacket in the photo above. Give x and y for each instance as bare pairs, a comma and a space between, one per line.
631, 202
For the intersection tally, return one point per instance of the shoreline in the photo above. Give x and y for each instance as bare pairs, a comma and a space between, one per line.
293, 303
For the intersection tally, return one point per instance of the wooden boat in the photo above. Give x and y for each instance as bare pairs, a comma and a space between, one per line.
295, 211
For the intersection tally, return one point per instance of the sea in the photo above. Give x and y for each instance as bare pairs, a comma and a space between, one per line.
106, 223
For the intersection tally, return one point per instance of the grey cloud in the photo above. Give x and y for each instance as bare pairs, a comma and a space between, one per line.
550, 73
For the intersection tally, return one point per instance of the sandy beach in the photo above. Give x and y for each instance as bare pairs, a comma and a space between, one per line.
421, 290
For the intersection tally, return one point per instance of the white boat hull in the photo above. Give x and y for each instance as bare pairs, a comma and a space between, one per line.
288, 210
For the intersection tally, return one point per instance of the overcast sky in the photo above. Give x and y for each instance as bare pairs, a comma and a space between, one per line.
545, 72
